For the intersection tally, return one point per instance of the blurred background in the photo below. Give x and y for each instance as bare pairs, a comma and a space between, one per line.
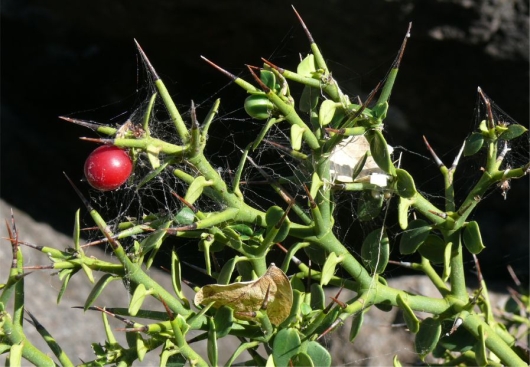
78, 59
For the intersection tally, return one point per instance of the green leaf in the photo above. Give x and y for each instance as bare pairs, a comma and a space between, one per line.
153, 242
15, 354
473, 144
514, 131
316, 253
481, 355
414, 236
327, 110
286, 345
433, 249
195, 189
396, 362
318, 354
410, 318
309, 99
318, 298
268, 78
137, 299
212, 348
328, 270
141, 347
427, 337
176, 276
405, 184
273, 217
380, 110
472, 238
184, 217
447, 262
302, 360
403, 212
297, 134
359, 166
77, 232
375, 251
227, 270
307, 66
88, 272
380, 152
224, 318
368, 206
460, 340
98, 288
356, 323
66, 274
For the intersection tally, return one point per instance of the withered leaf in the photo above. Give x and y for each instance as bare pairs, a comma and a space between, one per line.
247, 297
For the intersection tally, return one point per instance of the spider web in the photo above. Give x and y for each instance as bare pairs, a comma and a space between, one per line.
231, 131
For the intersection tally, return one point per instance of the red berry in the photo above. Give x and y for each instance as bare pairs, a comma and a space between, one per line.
107, 168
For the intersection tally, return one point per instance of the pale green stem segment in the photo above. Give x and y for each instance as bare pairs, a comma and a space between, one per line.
182, 130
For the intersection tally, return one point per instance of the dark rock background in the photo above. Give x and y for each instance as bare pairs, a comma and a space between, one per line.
78, 59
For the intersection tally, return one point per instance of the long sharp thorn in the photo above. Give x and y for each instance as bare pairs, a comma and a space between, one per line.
146, 60
87, 124
308, 34
227, 73
397, 62
330, 328
280, 70
257, 79
184, 201
438, 161
457, 158
513, 275
266, 299
78, 192
168, 310
479, 271
99, 141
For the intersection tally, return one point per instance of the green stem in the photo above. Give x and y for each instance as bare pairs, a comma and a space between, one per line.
493, 341
188, 352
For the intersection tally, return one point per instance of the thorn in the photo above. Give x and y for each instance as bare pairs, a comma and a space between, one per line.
195, 267
83, 123
33, 320
457, 158
146, 60
108, 312
228, 74
479, 271
83, 199
456, 325
441, 215
397, 62
488, 107
39, 248
257, 79
98, 141
266, 299
312, 203
308, 34
513, 275
284, 216
308, 282
168, 310
336, 299
38, 267
404, 264
437, 160
184, 201
280, 70
189, 227
330, 328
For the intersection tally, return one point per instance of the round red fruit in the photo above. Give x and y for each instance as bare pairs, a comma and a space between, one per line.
107, 168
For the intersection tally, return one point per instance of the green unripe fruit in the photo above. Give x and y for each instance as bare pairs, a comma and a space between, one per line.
258, 106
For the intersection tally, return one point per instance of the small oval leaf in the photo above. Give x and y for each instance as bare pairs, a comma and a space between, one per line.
137, 299
380, 151
403, 212
428, 336
369, 206
319, 355
410, 318
273, 217
514, 131
412, 238
328, 270
98, 288
405, 184
326, 113
473, 144
356, 323
375, 251
433, 249
286, 345
297, 134
472, 238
